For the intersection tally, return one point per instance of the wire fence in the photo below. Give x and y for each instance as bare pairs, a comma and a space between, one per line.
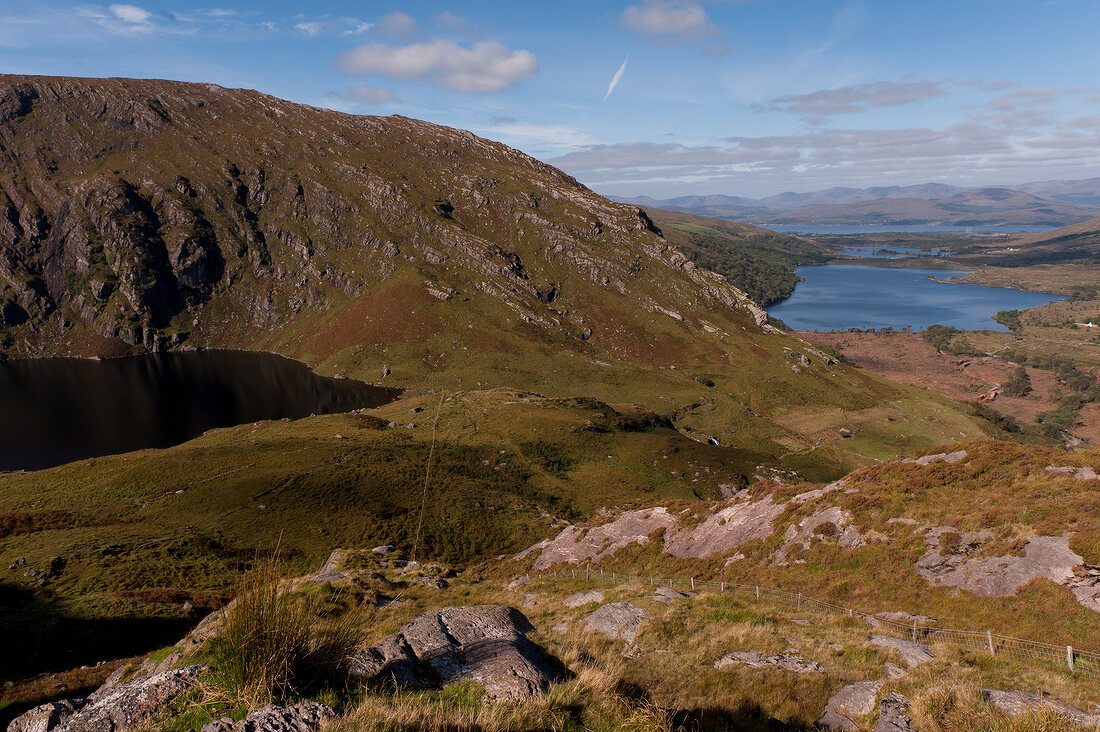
1076, 661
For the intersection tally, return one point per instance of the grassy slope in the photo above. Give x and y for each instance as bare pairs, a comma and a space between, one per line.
1001, 486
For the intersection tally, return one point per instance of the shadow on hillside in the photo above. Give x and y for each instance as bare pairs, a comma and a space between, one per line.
43, 635
748, 717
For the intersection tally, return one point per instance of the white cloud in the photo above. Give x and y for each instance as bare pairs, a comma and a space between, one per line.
485, 67
670, 20
131, 14
616, 79
326, 25
397, 25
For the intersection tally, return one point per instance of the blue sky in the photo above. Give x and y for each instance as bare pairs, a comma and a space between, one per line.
743, 98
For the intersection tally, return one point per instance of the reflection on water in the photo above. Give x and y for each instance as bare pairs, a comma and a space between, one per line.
56, 410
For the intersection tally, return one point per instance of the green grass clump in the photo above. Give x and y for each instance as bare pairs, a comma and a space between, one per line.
271, 645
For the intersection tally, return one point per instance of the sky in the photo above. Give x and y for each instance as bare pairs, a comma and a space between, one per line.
645, 97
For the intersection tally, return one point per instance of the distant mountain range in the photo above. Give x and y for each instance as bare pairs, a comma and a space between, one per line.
1041, 203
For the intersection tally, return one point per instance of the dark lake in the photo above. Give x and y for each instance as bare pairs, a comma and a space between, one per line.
57, 410
842, 296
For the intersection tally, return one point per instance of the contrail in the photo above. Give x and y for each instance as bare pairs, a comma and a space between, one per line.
616, 78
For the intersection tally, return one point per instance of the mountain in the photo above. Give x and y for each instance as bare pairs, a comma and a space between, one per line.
143, 214
972, 207
1042, 203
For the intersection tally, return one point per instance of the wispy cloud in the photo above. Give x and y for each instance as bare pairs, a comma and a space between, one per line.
486, 66
669, 20
616, 78
850, 99
556, 136
397, 25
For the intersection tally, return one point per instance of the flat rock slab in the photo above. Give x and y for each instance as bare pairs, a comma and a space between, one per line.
666, 594
914, 654
940, 457
583, 598
1044, 556
121, 706
617, 620
893, 714
724, 530
752, 659
853, 701
306, 716
1081, 473
486, 644
1014, 703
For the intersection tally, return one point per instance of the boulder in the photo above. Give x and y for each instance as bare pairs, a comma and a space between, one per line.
617, 620
485, 644
893, 714
306, 716
583, 598
46, 717
125, 705
914, 654
1014, 703
854, 700
667, 594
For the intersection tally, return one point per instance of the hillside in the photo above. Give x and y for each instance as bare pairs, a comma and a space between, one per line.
758, 261
151, 214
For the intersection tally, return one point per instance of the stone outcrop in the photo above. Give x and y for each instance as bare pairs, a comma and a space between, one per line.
752, 659
893, 714
576, 544
617, 620
724, 530
306, 716
1014, 703
956, 566
941, 457
914, 654
113, 707
486, 644
853, 701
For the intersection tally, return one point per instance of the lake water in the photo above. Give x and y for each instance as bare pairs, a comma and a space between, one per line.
57, 410
866, 229
842, 296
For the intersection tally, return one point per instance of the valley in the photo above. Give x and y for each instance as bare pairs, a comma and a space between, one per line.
565, 382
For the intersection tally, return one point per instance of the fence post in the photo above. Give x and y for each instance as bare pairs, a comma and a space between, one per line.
588, 573
757, 592
850, 614
601, 572
914, 631
573, 572
989, 637
1069, 658
693, 583
722, 587
799, 600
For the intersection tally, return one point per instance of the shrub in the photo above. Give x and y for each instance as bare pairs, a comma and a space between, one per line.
1018, 385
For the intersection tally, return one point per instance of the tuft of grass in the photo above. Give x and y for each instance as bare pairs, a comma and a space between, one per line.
271, 644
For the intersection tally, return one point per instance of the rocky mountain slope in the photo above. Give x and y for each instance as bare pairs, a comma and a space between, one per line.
149, 214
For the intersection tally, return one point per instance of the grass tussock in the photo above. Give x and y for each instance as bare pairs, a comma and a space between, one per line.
962, 709
273, 643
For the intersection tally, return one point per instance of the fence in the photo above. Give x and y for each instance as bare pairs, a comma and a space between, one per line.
1064, 657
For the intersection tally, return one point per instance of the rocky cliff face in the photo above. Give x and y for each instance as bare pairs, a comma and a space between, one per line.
152, 211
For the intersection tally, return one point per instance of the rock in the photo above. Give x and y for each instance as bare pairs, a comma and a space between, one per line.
893, 714
332, 564
914, 654
854, 700
306, 716
942, 457
131, 704
384, 549
46, 717
518, 581
1085, 473
617, 620
892, 671
666, 594
724, 530
576, 544
436, 583
486, 644
1014, 703
560, 629
1044, 556
583, 598
752, 659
